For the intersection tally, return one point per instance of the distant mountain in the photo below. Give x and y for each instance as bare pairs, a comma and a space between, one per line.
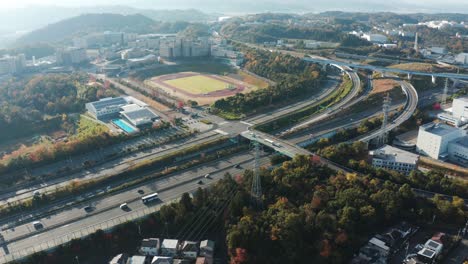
88, 24
35, 17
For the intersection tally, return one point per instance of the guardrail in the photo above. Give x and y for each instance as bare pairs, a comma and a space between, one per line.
106, 226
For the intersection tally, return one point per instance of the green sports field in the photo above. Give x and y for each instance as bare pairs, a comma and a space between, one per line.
198, 84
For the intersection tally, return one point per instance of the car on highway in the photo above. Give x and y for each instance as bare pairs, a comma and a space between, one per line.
237, 166
200, 182
124, 206
38, 225
140, 191
207, 176
88, 209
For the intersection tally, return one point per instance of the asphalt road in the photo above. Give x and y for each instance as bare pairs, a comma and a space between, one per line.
108, 168
106, 208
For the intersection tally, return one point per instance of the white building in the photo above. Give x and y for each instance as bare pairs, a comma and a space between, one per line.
375, 38
458, 151
438, 50
12, 64
462, 58
189, 249
392, 158
161, 260
71, 55
434, 138
107, 107
150, 247
169, 247
460, 108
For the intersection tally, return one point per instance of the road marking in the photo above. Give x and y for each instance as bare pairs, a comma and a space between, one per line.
221, 132
223, 123
246, 123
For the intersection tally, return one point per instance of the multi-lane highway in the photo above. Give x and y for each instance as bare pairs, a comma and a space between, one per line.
106, 208
410, 107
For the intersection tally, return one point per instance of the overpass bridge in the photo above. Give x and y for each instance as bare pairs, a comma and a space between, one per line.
289, 149
321, 60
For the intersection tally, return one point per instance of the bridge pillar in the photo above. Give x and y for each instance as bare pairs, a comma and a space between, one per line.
455, 83
409, 76
433, 79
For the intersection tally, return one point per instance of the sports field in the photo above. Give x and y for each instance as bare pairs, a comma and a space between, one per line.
198, 84
201, 87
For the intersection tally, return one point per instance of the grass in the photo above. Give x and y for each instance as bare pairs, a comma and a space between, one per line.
253, 80
198, 84
423, 67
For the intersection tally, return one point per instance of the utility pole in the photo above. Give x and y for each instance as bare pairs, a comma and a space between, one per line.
256, 191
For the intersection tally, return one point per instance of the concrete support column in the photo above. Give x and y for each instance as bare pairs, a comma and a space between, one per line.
455, 83
433, 79
409, 76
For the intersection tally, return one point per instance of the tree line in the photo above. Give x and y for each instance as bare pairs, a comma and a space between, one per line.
294, 78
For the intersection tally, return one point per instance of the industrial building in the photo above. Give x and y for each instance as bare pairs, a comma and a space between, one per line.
375, 38
106, 108
434, 139
392, 158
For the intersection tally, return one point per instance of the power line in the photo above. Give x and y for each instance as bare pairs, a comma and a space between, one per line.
256, 190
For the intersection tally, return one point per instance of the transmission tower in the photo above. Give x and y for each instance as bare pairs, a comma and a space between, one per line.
256, 191
383, 137
444, 95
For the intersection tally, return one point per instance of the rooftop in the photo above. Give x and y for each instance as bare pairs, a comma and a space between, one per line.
109, 102
463, 141
150, 242
142, 114
438, 128
169, 243
390, 153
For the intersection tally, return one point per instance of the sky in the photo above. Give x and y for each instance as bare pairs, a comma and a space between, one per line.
261, 5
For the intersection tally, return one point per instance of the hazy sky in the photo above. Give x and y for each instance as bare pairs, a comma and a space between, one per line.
306, 5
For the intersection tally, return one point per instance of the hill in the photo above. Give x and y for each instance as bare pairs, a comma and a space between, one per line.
35, 17
87, 24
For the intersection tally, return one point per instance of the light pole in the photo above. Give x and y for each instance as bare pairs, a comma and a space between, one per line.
77, 260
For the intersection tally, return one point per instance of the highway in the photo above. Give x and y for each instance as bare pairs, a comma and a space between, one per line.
385, 69
169, 188
341, 105
109, 168
410, 107
331, 84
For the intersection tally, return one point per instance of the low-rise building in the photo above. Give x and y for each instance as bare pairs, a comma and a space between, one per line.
71, 55
392, 158
139, 116
375, 38
161, 260
169, 247
458, 151
106, 108
119, 259
189, 249
150, 246
137, 260
207, 248
462, 58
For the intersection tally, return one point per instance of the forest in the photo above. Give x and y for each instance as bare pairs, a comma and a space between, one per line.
30, 105
294, 78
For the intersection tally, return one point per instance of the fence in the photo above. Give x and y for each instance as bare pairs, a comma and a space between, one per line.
81, 233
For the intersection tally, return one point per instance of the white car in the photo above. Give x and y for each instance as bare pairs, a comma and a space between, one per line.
207, 176
124, 206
